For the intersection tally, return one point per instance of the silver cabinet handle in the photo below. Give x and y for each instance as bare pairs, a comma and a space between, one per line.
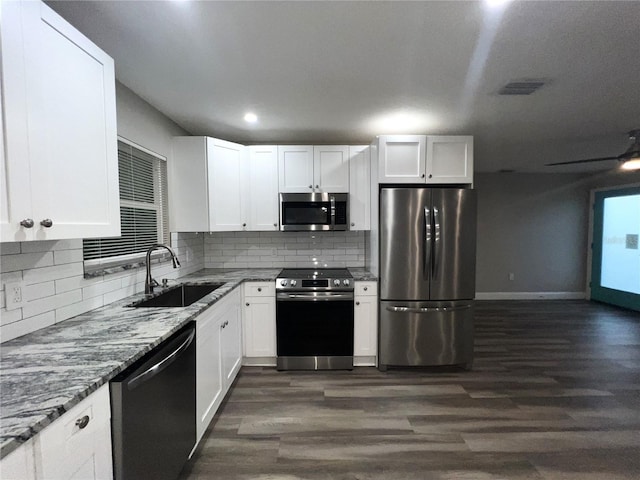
27, 223
46, 223
82, 422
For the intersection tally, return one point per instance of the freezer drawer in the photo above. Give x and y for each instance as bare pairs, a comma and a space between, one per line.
426, 334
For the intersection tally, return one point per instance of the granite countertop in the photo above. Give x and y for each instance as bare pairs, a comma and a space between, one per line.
47, 372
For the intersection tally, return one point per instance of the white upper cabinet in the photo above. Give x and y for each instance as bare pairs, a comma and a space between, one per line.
227, 183
401, 158
60, 165
432, 159
295, 168
449, 159
263, 187
359, 188
306, 169
215, 185
331, 168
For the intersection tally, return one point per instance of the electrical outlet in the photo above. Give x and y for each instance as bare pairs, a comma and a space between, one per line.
512, 276
14, 297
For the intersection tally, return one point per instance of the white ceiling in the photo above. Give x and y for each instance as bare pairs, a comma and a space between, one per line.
327, 72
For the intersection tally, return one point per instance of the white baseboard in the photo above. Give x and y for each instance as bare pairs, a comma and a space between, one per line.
530, 295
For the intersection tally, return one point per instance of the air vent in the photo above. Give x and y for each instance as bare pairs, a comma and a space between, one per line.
521, 88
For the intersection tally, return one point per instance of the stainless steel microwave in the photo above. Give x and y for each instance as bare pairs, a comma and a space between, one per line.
314, 211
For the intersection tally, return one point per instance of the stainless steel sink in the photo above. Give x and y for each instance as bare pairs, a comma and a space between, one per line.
180, 296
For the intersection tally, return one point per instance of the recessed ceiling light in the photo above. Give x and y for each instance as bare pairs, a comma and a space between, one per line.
631, 164
250, 117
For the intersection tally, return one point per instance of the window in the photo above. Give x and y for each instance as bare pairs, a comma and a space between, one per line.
143, 213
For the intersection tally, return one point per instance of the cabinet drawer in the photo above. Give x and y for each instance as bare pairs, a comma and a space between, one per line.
366, 288
78, 441
259, 289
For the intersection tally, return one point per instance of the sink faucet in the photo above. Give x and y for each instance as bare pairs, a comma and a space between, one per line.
149, 283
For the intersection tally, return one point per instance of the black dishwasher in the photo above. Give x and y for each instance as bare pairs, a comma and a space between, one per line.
153, 411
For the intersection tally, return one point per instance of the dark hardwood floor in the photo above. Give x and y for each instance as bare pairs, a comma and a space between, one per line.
554, 394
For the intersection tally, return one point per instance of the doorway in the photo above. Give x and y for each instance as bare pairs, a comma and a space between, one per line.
615, 268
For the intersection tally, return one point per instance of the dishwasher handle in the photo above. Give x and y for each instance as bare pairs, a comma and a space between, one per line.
162, 364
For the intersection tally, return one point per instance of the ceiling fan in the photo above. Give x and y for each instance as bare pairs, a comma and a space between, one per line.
630, 158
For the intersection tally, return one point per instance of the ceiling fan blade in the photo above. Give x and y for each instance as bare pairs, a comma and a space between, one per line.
583, 161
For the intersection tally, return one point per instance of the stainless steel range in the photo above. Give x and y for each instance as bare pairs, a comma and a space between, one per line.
314, 319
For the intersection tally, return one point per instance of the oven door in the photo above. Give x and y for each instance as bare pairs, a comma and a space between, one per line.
314, 330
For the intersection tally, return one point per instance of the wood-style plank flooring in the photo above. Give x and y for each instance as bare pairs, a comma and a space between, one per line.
554, 394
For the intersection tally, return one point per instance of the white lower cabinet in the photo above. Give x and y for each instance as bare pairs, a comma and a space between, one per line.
78, 444
218, 356
19, 463
365, 324
259, 324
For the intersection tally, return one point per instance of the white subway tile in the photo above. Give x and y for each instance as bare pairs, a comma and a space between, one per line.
10, 316
78, 308
24, 261
9, 248
53, 302
67, 256
75, 283
39, 290
101, 288
14, 330
9, 277
38, 275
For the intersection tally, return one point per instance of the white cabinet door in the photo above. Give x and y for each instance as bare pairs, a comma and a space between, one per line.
401, 158
231, 341
359, 188
259, 323
188, 185
60, 128
19, 464
263, 188
331, 168
226, 180
365, 324
209, 385
72, 449
450, 159
295, 168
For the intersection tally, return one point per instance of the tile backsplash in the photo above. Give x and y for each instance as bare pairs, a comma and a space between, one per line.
54, 287
284, 249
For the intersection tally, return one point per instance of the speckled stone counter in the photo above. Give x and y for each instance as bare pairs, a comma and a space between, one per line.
45, 373
362, 275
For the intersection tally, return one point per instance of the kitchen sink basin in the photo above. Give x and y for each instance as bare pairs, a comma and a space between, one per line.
180, 296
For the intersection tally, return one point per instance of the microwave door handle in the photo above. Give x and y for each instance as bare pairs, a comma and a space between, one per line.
332, 200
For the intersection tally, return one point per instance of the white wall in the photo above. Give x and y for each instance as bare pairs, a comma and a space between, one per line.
52, 271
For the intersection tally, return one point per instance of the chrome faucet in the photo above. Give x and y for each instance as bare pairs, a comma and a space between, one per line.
149, 283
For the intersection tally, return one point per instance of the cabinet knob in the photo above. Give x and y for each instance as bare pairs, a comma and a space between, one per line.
244, 224
430, 176
317, 186
366, 288
310, 186
357, 303
259, 289
275, 224
82, 422
422, 175
27, 223
247, 304
353, 224
46, 223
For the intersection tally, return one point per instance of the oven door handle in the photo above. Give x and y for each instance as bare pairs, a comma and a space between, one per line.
314, 296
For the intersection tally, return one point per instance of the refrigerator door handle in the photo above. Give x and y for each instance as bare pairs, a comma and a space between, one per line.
426, 309
427, 242
437, 242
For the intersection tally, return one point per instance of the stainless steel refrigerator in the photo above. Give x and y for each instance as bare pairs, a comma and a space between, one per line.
427, 276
